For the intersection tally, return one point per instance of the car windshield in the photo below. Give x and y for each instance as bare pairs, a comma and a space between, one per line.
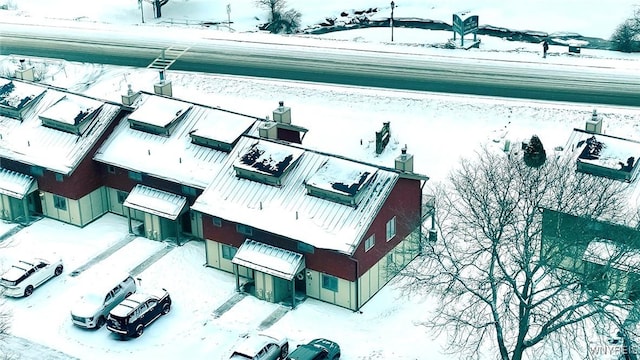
6, 282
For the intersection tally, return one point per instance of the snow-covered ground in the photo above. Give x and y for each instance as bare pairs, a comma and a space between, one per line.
437, 128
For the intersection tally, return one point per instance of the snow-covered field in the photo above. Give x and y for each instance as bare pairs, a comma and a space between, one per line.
437, 128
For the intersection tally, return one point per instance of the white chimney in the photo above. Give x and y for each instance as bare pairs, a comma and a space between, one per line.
24, 72
282, 114
594, 125
163, 87
268, 130
404, 162
130, 97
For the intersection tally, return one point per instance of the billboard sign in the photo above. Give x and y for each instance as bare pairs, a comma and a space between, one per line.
466, 26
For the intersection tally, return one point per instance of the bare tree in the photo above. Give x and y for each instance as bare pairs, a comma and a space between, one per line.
280, 20
626, 37
496, 284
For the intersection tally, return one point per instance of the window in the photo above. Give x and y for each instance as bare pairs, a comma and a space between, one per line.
135, 176
37, 171
368, 244
111, 169
391, 228
329, 282
228, 252
122, 196
59, 178
244, 229
187, 190
59, 202
217, 222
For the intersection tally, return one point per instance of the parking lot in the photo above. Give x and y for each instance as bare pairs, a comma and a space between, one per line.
199, 326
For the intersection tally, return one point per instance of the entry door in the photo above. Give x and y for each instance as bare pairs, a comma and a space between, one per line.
152, 226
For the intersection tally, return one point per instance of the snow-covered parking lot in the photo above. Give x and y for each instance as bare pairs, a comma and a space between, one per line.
193, 329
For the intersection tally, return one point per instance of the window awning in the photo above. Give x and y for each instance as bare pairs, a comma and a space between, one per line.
15, 184
269, 259
157, 202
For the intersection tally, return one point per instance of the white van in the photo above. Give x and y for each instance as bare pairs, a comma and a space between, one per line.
91, 310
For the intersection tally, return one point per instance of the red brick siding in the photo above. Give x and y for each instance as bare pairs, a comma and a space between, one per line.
404, 204
326, 261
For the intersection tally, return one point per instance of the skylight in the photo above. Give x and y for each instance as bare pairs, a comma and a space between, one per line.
340, 181
220, 130
158, 115
266, 162
71, 113
17, 97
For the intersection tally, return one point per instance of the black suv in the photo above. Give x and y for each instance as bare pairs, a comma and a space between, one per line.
138, 311
317, 349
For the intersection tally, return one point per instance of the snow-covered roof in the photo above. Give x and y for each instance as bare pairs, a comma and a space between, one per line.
222, 126
269, 259
268, 158
15, 184
158, 111
17, 95
607, 253
604, 150
337, 175
175, 157
31, 143
288, 209
154, 201
71, 109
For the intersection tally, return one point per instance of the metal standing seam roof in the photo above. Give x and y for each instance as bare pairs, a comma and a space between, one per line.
31, 143
157, 202
15, 184
174, 158
288, 210
269, 259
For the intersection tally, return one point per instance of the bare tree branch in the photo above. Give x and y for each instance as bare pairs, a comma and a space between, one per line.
497, 283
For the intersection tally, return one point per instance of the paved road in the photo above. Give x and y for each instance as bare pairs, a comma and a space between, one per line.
302, 62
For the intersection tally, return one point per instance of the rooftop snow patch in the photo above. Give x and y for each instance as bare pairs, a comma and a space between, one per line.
16, 97
340, 180
266, 162
158, 114
605, 155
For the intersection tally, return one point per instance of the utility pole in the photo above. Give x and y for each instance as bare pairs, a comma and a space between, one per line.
393, 5
141, 10
229, 16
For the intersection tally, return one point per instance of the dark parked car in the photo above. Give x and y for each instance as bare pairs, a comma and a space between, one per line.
138, 311
317, 349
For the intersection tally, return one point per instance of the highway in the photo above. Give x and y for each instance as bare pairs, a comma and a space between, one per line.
322, 62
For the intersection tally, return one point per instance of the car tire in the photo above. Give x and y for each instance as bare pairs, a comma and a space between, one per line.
166, 308
337, 357
58, 270
101, 322
139, 330
128, 294
28, 291
284, 351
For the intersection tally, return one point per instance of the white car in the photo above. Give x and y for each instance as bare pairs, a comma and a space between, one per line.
261, 347
26, 275
99, 297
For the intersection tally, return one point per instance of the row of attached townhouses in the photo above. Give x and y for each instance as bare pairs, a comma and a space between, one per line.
287, 221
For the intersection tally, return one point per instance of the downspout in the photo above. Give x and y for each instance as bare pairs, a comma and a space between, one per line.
25, 205
421, 235
357, 282
129, 219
